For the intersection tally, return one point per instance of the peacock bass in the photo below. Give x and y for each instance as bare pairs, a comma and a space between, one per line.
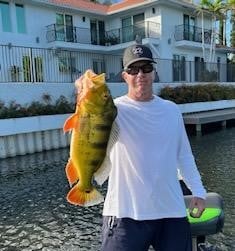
90, 125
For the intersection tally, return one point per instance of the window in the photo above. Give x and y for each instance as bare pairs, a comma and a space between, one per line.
27, 69
127, 30
20, 18
178, 65
67, 64
64, 28
97, 32
199, 68
132, 27
98, 66
5, 16
38, 69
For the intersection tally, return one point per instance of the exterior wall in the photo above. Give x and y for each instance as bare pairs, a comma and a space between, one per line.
34, 29
26, 93
37, 28
168, 47
171, 18
153, 17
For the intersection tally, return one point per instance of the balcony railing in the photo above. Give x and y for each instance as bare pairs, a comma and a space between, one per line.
140, 30
192, 33
116, 36
67, 33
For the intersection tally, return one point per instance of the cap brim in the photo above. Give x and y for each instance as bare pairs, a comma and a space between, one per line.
139, 59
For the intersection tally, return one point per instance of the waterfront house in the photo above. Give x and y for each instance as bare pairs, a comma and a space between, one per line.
57, 40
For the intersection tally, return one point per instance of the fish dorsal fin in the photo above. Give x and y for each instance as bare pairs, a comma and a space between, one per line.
70, 122
101, 175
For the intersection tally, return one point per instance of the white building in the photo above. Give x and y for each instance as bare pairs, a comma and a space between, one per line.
57, 40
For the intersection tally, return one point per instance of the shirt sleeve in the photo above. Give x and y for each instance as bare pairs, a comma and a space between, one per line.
187, 165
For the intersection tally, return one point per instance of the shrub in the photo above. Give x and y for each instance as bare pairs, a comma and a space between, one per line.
198, 93
45, 107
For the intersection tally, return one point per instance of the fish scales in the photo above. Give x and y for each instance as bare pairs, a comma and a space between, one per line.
91, 125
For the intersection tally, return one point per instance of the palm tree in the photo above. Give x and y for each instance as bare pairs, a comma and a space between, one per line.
231, 3
231, 7
215, 8
200, 11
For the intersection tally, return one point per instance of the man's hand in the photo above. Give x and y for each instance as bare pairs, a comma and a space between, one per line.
196, 207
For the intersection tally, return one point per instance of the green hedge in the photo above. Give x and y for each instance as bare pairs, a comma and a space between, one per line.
198, 93
180, 95
44, 107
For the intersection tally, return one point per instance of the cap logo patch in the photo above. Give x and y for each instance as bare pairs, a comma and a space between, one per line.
137, 51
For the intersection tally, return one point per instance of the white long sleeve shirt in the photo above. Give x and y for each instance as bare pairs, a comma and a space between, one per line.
152, 144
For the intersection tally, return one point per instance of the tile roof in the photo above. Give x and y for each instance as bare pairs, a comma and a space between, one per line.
124, 4
87, 5
82, 4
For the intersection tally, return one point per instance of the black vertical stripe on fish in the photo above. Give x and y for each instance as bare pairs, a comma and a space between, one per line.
95, 162
99, 145
102, 127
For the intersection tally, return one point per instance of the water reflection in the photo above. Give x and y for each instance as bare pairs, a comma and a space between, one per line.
34, 213
215, 156
36, 216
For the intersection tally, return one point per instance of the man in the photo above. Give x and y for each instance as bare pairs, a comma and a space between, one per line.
144, 205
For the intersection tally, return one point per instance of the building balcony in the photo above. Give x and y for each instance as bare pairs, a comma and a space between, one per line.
72, 34
191, 36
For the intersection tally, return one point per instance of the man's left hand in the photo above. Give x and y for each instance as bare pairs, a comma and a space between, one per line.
196, 207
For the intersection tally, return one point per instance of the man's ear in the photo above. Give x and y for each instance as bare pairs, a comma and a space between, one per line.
124, 75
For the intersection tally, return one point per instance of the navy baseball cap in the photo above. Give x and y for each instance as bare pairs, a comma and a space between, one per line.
135, 53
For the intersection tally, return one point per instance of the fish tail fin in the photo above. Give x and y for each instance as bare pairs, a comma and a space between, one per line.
84, 198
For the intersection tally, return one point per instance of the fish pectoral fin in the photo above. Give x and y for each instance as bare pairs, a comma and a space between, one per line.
84, 198
102, 174
70, 123
71, 172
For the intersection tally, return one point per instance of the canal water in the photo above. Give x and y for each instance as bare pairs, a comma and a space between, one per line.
34, 214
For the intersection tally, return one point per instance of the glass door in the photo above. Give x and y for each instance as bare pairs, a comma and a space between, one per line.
127, 30
64, 27
179, 68
189, 28
192, 29
94, 32
59, 27
101, 32
139, 26
199, 68
97, 32
69, 28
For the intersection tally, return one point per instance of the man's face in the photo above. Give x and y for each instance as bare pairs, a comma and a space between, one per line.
139, 77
